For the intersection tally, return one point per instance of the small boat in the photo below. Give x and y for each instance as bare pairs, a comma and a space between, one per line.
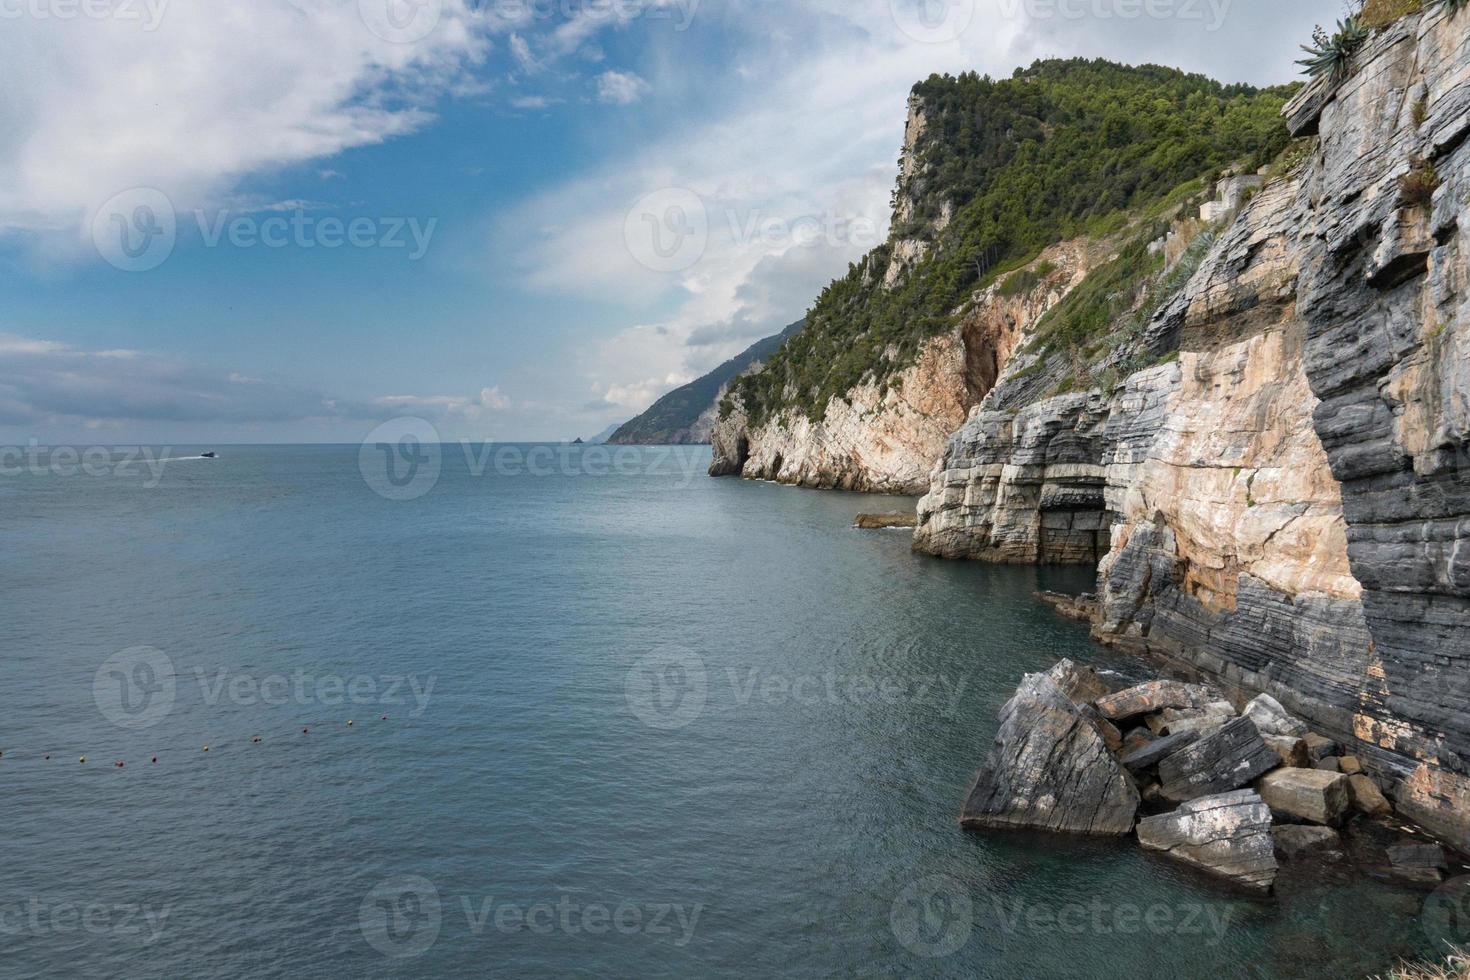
209, 455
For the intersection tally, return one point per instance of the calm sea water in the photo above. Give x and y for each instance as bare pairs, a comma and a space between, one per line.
639, 723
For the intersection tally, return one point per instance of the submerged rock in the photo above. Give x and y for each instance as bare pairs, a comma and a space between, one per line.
1422, 864
1228, 835
1314, 795
1229, 759
1050, 769
1295, 841
880, 522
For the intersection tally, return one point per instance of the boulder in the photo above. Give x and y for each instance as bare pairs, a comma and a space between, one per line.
1152, 697
1202, 721
1151, 754
1367, 797
1227, 835
1320, 746
1328, 764
1293, 751
1349, 765
1227, 760
1295, 841
1049, 768
1306, 794
1272, 719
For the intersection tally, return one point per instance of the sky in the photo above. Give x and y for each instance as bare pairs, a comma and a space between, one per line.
291, 220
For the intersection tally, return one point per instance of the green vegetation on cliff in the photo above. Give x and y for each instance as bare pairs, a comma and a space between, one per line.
1061, 149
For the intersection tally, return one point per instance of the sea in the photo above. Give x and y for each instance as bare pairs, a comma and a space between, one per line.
404, 709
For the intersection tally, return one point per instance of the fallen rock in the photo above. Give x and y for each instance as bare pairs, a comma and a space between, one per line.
1272, 719
1203, 721
1152, 697
1227, 834
1227, 760
1328, 764
1306, 794
880, 522
1349, 765
1049, 768
1293, 751
1367, 797
1296, 841
1320, 746
1151, 754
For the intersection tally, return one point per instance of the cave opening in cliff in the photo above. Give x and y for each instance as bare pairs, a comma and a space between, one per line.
1076, 529
742, 453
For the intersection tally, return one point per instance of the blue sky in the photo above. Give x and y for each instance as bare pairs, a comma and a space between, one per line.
487, 171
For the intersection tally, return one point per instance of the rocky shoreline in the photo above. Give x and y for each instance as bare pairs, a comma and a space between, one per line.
1235, 791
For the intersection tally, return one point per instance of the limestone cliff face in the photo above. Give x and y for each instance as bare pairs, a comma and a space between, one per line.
884, 437
1283, 500
1384, 296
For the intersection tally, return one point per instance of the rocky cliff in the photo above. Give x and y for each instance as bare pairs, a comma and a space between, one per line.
1009, 193
1281, 492
883, 436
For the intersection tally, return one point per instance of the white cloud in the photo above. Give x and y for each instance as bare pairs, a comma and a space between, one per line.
218, 91
532, 103
620, 88
520, 50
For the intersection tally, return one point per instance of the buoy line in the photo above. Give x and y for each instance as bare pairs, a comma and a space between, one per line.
153, 757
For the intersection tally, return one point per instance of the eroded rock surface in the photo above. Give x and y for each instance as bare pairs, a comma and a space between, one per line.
1049, 768
1227, 835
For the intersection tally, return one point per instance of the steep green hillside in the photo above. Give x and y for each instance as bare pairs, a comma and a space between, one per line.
673, 416
1061, 149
